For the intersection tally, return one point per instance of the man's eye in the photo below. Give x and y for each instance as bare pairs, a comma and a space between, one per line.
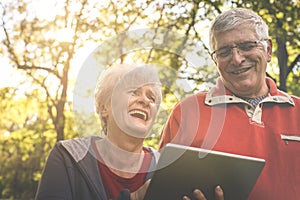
224, 52
247, 46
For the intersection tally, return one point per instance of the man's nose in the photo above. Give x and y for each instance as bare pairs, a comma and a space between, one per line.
236, 56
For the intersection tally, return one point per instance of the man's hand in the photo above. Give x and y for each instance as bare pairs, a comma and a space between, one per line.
140, 193
200, 196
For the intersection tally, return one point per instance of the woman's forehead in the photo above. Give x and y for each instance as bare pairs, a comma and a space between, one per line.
147, 87
141, 75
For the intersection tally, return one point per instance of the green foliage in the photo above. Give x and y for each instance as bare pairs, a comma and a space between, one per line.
26, 137
293, 83
44, 48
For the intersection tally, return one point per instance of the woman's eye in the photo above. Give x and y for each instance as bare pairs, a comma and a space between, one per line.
152, 99
133, 92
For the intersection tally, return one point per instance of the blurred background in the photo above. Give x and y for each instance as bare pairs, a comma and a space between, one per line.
44, 44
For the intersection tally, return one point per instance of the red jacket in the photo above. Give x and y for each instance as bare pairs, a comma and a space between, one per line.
227, 123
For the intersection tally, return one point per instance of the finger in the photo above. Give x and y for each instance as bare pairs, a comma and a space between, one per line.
146, 184
142, 190
198, 194
185, 198
219, 193
133, 196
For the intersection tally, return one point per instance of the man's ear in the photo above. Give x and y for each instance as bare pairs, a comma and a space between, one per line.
269, 50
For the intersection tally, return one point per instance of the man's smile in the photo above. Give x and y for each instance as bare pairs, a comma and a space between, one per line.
241, 71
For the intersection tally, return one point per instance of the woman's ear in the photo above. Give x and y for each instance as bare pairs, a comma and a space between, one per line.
103, 111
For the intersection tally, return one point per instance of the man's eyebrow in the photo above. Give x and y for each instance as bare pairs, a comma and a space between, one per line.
224, 47
229, 46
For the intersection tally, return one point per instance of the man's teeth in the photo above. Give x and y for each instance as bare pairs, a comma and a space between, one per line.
240, 71
139, 114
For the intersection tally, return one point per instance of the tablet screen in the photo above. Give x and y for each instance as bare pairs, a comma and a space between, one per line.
181, 169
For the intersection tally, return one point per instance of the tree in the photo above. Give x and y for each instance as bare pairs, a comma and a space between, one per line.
44, 47
45, 59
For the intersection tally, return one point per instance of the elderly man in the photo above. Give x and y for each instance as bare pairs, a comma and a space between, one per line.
244, 113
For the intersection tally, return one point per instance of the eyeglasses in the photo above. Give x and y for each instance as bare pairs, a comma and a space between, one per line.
243, 47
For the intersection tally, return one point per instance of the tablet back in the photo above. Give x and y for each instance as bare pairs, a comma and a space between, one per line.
180, 169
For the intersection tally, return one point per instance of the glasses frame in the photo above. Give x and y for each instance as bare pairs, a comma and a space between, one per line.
234, 46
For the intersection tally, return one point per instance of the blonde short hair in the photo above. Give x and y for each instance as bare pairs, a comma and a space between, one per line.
120, 74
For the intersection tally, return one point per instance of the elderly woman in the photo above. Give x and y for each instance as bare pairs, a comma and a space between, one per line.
118, 165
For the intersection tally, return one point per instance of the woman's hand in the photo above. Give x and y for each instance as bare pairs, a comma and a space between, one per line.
200, 196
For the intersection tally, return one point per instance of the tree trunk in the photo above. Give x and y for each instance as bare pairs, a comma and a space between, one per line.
282, 57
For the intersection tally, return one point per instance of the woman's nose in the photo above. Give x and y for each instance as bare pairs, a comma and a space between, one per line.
144, 99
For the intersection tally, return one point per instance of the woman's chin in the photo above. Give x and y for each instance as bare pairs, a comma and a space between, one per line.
138, 130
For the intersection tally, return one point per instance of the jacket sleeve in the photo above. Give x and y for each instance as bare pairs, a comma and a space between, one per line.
55, 181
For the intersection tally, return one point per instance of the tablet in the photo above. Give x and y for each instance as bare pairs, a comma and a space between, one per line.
181, 169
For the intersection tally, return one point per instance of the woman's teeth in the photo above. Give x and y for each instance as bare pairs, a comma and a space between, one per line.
139, 114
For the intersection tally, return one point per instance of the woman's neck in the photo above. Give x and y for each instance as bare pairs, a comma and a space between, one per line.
126, 142
117, 157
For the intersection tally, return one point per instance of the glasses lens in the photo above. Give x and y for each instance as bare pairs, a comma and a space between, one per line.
246, 46
224, 52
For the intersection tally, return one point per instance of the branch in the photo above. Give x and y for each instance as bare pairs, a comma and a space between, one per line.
156, 27
48, 96
8, 43
25, 67
15, 59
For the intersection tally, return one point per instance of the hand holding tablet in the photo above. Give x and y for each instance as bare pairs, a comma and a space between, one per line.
182, 169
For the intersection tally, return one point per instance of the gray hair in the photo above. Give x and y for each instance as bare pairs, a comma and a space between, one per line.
234, 18
124, 74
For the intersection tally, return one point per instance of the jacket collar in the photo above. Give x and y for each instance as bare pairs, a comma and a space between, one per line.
82, 152
221, 95
78, 148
